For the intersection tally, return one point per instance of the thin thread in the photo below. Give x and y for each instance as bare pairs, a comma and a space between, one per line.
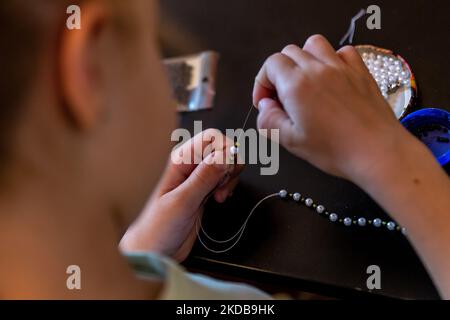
245, 124
228, 174
242, 229
351, 31
239, 233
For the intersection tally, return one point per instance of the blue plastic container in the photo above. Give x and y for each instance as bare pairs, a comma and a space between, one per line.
432, 127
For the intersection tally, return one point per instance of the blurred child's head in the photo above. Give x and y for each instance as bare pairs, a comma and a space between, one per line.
83, 112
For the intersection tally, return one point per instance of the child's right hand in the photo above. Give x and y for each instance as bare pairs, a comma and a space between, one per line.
331, 113
328, 108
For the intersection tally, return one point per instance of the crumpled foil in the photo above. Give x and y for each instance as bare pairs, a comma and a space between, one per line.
193, 80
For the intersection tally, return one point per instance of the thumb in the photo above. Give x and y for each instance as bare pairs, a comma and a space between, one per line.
212, 172
272, 116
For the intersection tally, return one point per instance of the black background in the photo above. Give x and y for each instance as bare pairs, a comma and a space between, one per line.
286, 243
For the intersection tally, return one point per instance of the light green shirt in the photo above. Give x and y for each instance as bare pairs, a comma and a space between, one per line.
181, 285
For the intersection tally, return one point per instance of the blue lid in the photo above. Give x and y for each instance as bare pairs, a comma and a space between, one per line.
432, 127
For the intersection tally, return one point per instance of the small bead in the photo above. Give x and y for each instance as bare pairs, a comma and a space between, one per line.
320, 209
391, 226
309, 202
283, 194
234, 150
334, 217
404, 231
297, 197
362, 222
377, 223
347, 222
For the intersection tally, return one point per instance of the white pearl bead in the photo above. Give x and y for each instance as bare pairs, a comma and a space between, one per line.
297, 197
320, 209
309, 202
362, 222
391, 226
347, 222
377, 223
283, 194
404, 231
234, 150
334, 217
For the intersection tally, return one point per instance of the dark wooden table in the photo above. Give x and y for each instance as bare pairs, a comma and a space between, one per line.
287, 245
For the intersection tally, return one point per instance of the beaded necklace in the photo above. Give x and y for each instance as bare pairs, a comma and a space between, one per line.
335, 218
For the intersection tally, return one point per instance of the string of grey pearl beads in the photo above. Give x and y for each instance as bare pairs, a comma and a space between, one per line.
335, 218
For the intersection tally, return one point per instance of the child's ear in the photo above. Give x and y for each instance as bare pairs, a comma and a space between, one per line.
80, 66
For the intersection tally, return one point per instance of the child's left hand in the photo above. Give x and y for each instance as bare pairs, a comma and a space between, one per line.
168, 224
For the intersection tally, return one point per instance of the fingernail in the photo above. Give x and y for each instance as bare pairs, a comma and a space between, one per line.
263, 104
260, 106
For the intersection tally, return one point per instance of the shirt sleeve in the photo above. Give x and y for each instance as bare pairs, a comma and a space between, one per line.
181, 285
